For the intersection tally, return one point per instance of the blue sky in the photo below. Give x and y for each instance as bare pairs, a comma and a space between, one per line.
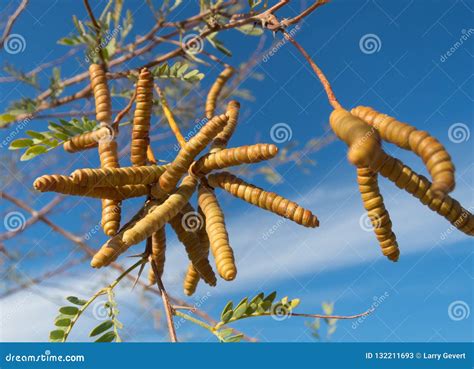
407, 77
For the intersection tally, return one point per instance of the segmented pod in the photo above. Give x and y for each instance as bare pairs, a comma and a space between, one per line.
196, 252
162, 214
362, 139
420, 187
191, 280
103, 106
428, 148
106, 177
188, 152
263, 199
379, 216
223, 137
230, 157
141, 118
86, 140
217, 233
64, 184
158, 248
216, 90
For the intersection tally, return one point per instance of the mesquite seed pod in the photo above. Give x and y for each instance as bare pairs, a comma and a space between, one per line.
158, 247
162, 214
428, 148
190, 239
217, 233
263, 199
86, 140
223, 137
362, 139
188, 152
103, 106
379, 216
191, 280
234, 156
141, 118
420, 187
216, 90
106, 177
64, 184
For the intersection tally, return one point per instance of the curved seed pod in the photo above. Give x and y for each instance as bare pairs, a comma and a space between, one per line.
379, 216
217, 233
420, 187
191, 280
106, 177
64, 184
188, 152
115, 245
158, 247
216, 90
221, 140
235, 156
141, 118
111, 214
86, 140
428, 148
362, 139
103, 106
162, 214
263, 199
196, 252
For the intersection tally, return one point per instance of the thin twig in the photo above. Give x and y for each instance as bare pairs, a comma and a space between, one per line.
97, 33
305, 13
11, 21
123, 112
169, 117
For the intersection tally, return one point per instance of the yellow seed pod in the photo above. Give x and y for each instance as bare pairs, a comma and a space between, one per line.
379, 216
162, 214
362, 139
263, 199
103, 106
221, 140
189, 238
188, 152
217, 233
106, 177
65, 185
141, 118
86, 140
191, 280
428, 148
115, 245
158, 247
420, 187
235, 156
216, 90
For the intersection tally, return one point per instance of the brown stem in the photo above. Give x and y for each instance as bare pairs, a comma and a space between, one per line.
305, 13
11, 21
124, 112
97, 33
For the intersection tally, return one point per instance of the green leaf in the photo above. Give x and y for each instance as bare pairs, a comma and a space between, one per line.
328, 308
250, 30
235, 338
240, 310
62, 322
57, 334
294, 303
107, 337
69, 310
20, 143
218, 44
101, 328
6, 118
36, 135
32, 152
76, 301
223, 333
227, 316
227, 308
